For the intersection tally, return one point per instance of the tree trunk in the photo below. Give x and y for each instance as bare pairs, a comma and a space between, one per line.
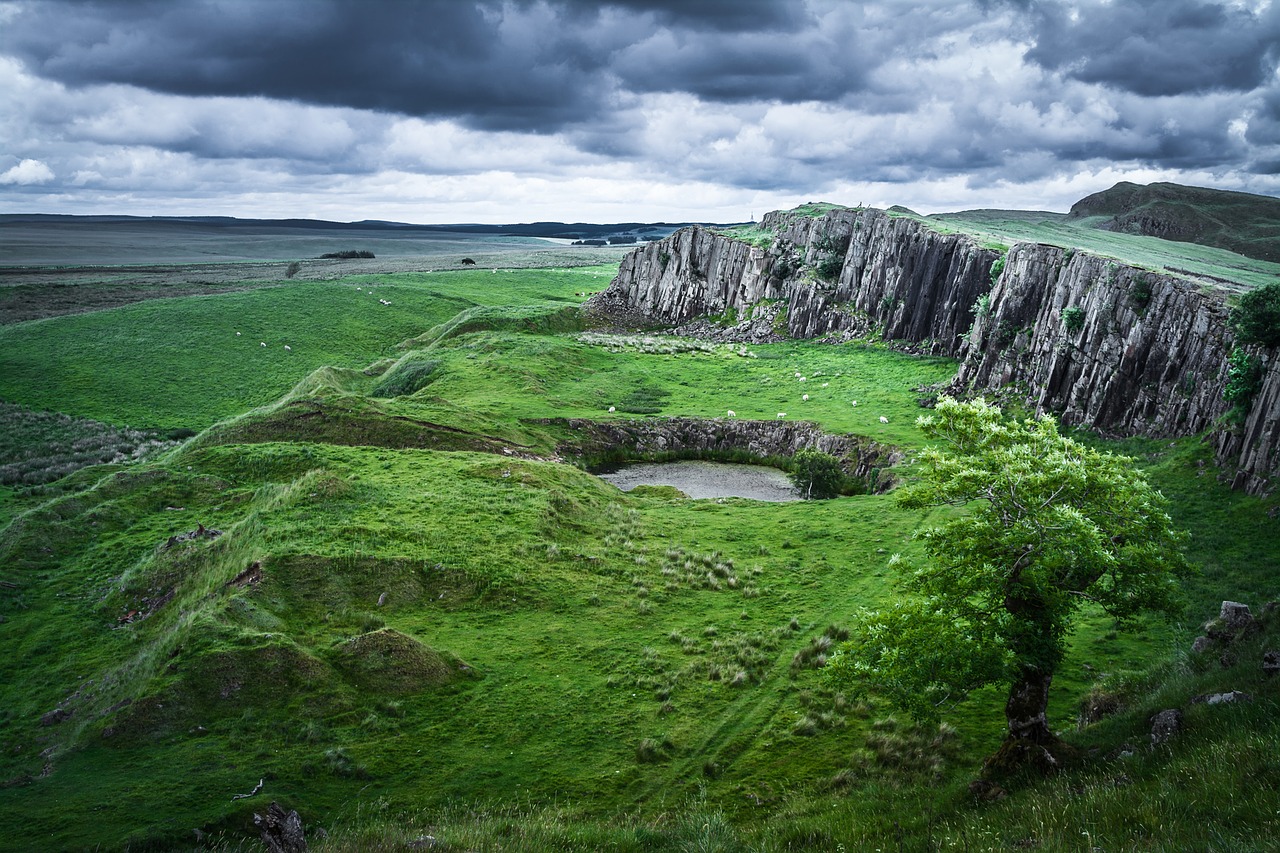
1027, 708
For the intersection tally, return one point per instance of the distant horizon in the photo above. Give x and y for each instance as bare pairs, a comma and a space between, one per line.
755, 216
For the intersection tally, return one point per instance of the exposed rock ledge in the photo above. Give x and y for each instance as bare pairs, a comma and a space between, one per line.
725, 437
1143, 353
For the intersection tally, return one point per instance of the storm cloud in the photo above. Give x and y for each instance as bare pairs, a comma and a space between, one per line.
431, 110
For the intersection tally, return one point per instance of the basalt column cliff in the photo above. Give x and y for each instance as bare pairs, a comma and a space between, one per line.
1093, 341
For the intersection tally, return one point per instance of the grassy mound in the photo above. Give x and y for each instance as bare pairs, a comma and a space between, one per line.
387, 661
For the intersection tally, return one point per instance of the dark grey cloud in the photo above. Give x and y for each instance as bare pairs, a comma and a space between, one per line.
763, 97
417, 57
1158, 47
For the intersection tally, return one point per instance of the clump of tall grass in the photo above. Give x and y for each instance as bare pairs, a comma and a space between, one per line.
40, 447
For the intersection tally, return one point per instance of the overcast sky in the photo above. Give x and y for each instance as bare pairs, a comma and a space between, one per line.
675, 110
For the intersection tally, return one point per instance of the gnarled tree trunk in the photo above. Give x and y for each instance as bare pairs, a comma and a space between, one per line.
1027, 708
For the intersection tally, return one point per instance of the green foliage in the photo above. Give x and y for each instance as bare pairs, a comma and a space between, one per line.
1244, 379
1256, 318
1047, 525
1140, 292
829, 267
997, 268
1073, 319
816, 475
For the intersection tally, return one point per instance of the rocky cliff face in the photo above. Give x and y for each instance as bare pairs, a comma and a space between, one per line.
1124, 350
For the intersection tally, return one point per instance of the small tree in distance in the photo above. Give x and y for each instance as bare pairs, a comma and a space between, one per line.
815, 474
1045, 527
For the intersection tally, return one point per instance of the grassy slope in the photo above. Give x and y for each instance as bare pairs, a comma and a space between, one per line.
1212, 267
1239, 222
179, 363
585, 615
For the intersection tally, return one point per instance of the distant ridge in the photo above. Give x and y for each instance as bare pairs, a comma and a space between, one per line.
561, 230
1239, 222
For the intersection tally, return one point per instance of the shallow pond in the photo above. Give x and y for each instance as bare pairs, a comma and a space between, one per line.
699, 479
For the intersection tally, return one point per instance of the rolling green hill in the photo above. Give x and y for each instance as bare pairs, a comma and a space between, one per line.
391, 598
1239, 222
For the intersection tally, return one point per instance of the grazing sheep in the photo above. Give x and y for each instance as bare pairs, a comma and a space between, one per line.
731, 413
855, 402
781, 415
797, 376
289, 348
612, 410
263, 344
237, 334
883, 419
805, 398
825, 384
802, 379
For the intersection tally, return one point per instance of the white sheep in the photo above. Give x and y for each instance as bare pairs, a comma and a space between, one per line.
263, 344
237, 334
802, 379
883, 419
805, 398
289, 348
781, 415
855, 402
825, 384
731, 413
797, 376
612, 410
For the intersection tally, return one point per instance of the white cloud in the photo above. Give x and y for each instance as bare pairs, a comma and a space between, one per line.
26, 173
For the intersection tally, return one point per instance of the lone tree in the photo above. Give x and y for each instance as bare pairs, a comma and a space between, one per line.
816, 475
1045, 526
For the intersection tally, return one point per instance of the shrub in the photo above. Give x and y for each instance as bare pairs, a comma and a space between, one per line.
348, 254
1140, 293
1073, 319
1244, 378
829, 267
1256, 319
816, 474
997, 268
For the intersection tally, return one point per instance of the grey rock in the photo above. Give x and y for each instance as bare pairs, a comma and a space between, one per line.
1222, 698
281, 831
1271, 663
1201, 645
1235, 615
1165, 726
860, 456
54, 717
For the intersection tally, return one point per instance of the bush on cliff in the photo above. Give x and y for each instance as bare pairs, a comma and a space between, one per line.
1256, 319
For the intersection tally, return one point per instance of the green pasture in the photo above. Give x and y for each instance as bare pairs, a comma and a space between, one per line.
189, 362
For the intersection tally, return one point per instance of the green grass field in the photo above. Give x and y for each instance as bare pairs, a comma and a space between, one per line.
503, 651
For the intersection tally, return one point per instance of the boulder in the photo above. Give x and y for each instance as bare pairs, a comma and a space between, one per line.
281, 831
1165, 726
1201, 644
1270, 663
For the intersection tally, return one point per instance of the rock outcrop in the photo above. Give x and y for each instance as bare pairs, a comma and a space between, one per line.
861, 457
1124, 350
